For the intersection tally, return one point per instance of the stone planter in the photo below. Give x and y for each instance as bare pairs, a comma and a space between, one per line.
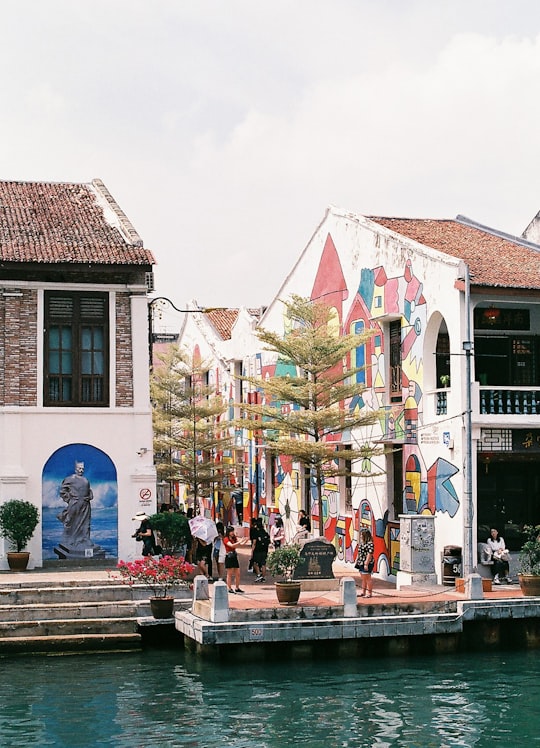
162, 607
18, 561
288, 592
530, 584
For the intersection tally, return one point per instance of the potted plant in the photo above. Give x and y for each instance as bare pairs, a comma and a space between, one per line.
173, 529
529, 558
283, 562
159, 576
18, 521
445, 380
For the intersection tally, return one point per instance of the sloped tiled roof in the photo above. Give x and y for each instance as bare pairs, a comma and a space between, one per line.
224, 319
494, 259
49, 222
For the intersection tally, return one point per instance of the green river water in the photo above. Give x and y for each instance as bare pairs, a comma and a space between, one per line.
170, 698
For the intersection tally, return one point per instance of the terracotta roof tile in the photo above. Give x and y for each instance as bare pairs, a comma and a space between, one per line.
224, 319
494, 259
50, 222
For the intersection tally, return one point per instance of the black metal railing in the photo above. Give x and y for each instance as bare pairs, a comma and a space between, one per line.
509, 401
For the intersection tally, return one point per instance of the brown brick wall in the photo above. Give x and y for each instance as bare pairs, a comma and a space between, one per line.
124, 352
18, 349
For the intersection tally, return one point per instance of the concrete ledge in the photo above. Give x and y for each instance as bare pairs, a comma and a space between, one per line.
71, 643
248, 632
318, 585
481, 610
202, 609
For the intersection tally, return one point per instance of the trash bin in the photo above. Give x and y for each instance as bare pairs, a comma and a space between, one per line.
451, 564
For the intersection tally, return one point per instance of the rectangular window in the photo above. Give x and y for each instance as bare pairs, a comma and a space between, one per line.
394, 473
395, 362
76, 349
501, 361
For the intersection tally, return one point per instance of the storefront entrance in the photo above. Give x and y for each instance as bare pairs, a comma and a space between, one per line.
508, 495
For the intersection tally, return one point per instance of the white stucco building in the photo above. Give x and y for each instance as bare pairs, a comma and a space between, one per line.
455, 312
74, 383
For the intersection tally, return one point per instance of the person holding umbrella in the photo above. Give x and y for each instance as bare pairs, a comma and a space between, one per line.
204, 531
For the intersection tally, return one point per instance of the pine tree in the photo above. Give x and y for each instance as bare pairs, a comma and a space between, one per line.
189, 438
313, 376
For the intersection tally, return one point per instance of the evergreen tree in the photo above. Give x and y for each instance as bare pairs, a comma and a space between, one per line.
314, 376
189, 438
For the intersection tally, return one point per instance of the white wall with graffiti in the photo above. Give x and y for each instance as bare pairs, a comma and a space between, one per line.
397, 288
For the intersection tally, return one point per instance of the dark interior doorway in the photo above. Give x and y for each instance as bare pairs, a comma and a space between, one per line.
508, 496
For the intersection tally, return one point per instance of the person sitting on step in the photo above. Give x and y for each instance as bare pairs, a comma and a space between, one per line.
500, 556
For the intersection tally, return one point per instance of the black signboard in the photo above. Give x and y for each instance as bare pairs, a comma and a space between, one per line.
316, 559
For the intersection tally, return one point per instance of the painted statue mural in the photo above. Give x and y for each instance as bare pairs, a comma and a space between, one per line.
427, 488
80, 504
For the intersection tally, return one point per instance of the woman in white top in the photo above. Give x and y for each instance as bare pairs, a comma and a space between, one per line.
501, 567
218, 553
277, 533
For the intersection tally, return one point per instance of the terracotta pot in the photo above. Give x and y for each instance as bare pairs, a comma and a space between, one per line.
18, 561
288, 592
530, 584
162, 607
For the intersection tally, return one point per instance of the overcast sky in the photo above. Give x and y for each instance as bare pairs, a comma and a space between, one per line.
224, 128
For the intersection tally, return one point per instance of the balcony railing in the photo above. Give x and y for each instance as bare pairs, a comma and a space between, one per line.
509, 401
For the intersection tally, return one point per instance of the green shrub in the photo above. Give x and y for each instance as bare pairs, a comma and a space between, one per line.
283, 561
529, 555
173, 529
18, 520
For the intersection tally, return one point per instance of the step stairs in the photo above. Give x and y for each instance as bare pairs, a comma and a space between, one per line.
68, 615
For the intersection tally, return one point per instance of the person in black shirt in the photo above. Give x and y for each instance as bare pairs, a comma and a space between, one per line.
260, 551
146, 534
303, 528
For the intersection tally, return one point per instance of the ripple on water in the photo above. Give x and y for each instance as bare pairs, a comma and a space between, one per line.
166, 699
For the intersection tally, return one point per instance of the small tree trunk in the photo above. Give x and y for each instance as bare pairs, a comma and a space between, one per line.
320, 479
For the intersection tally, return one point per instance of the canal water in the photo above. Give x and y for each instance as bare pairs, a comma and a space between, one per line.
165, 699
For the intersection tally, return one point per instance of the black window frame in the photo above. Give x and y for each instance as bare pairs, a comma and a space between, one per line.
395, 362
76, 312
507, 360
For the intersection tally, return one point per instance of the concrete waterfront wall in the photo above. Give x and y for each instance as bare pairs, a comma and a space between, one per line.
473, 625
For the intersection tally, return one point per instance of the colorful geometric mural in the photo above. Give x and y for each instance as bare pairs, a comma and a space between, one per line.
377, 298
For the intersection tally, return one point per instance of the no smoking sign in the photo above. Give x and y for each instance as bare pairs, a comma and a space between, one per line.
145, 494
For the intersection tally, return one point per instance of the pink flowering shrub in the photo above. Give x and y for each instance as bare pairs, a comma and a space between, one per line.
159, 575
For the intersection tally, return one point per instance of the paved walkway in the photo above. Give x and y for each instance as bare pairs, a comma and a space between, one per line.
264, 596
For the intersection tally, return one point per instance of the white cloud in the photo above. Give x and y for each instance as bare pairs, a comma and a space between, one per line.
225, 128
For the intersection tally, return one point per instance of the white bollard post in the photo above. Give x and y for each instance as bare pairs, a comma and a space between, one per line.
348, 598
220, 603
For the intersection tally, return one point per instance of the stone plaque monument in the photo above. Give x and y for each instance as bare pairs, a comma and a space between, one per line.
315, 567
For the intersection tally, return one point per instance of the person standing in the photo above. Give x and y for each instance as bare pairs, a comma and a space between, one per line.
365, 563
146, 534
219, 552
260, 551
203, 557
232, 564
238, 498
252, 536
277, 532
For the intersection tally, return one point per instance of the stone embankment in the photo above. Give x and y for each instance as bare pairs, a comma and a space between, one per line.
71, 613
